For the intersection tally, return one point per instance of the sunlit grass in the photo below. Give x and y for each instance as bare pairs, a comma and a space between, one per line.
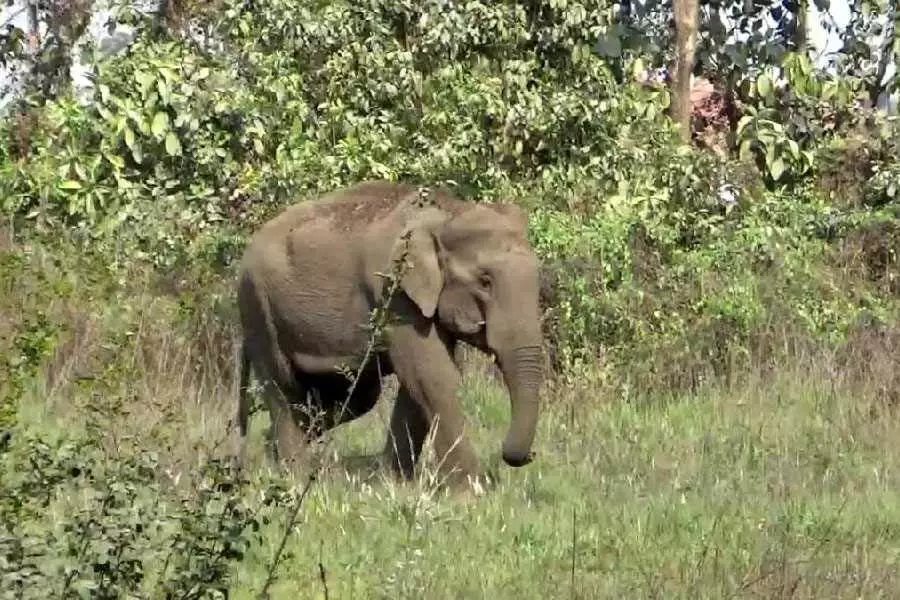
773, 486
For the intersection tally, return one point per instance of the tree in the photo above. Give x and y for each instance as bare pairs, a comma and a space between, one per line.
886, 54
686, 16
40, 62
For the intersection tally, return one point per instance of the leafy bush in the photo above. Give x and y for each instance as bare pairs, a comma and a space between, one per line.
663, 265
121, 529
186, 145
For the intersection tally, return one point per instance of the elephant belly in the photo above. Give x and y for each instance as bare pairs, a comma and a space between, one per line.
336, 395
317, 291
321, 330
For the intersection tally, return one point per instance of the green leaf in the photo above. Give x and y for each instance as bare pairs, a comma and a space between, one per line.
173, 146
168, 74
144, 79
115, 160
609, 45
637, 67
764, 85
106, 113
129, 137
160, 124
742, 123
163, 90
767, 138
777, 168
795, 149
70, 184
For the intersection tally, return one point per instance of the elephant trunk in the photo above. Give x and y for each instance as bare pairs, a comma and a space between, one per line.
523, 373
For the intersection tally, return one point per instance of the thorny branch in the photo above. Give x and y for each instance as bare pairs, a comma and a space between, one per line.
378, 321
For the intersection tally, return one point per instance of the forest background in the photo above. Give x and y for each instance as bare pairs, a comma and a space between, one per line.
719, 273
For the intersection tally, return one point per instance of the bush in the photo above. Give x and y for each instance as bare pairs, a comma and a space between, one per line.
181, 150
861, 169
663, 267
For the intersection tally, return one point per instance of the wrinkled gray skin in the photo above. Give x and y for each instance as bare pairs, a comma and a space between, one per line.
309, 279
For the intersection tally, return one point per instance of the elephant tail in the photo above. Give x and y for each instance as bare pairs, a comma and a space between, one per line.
243, 411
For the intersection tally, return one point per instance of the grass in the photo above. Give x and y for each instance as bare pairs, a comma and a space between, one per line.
776, 485
756, 491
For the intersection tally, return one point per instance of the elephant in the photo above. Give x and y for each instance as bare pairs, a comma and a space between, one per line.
310, 278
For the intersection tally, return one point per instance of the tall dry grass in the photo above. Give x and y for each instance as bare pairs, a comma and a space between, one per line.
776, 477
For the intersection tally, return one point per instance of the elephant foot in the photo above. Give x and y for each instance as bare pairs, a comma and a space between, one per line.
455, 482
294, 465
463, 486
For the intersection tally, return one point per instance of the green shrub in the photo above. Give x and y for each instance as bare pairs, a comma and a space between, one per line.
181, 151
663, 266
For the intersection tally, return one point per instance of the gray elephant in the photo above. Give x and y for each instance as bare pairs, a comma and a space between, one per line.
310, 277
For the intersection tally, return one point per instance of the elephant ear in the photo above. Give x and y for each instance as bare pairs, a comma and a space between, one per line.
422, 279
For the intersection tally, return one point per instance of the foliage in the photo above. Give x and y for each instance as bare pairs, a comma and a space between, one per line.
126, 530
740, 488
665, 267
870, 44
177, 154
785, 125
28, 343
94, 510
41, 57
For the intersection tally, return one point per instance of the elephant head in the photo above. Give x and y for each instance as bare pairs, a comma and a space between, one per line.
475, 274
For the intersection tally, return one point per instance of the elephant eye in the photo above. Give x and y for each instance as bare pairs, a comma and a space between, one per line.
484, 280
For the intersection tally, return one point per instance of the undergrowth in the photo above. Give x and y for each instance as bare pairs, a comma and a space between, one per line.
118, 477
720, 414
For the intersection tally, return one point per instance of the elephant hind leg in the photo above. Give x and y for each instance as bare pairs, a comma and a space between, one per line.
288, 428
287, 434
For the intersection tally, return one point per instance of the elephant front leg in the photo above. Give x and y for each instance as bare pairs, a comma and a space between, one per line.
406, 434
427, 399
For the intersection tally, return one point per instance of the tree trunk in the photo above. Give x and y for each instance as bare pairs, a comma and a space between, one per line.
168, 16
686, 16
887, 53
33, 35
800, 35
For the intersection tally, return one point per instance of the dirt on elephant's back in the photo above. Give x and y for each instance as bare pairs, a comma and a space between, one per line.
349, 213
363, 204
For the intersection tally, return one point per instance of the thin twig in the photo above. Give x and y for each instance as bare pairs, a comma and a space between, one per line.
13, 16
749, 581
377, 322
322, 571
574, 539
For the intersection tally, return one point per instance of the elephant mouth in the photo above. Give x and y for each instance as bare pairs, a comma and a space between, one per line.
477, 339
